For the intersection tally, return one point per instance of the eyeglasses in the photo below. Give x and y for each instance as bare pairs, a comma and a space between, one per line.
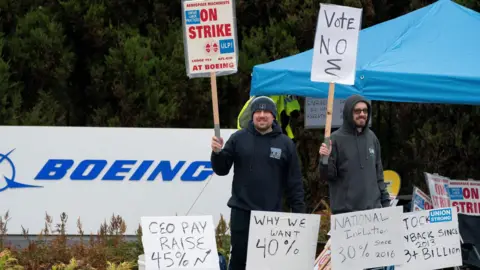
358, 111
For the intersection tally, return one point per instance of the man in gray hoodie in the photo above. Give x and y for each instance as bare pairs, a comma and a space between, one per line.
354, 171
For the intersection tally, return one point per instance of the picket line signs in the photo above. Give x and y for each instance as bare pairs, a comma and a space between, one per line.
424, 239
173, 242
210, 43
210, 37
464, 195
282, 241
420, 200
432, 239
336, 42
316, 112
438, 187
367, 239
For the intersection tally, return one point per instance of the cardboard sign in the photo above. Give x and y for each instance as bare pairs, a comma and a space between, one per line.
465, 196
210, 37
336, 42
179, 242
282, 241
438, 187
367, 239
420, 200
316, 112
431, 239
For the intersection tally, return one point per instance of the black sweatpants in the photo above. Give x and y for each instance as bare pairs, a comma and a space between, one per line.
239, 228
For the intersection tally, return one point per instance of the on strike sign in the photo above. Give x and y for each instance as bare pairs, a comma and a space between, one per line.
465, 195
421, 201
210, 38
438, 187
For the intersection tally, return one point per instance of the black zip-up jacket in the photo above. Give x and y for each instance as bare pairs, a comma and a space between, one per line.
355, 171
265, 168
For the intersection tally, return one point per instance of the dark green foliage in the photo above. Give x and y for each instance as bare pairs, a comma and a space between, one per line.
54, 248
121, 63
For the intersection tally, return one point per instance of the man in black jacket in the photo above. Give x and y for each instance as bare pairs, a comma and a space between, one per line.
354, 171
265, 167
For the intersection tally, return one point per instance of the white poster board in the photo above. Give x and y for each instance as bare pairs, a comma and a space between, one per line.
432, 239
336, 42
179, 242
420, 200
366, 239
282, 241
316, 112
438, 187
210, 37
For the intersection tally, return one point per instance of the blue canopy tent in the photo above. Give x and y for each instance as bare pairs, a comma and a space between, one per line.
431, 55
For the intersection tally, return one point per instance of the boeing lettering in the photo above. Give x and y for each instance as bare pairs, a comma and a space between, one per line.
91, 169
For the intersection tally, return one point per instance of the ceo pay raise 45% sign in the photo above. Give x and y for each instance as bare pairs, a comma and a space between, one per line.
272, 247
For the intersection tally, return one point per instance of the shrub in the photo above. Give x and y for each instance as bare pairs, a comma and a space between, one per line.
223, 238
324, 221
7, 261
108, 249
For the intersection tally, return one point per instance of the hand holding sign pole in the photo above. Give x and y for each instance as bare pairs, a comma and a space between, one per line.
335, 52
210, 43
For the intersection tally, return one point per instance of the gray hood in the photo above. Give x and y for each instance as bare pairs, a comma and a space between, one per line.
348, 123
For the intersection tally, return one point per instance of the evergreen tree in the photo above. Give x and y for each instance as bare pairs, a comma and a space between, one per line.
121, 63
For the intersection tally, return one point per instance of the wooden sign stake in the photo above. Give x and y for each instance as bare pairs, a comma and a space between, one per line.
328, 124
216, 117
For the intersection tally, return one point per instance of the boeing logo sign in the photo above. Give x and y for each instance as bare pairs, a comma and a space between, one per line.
9, 173
104, 170
123, 169
164, 171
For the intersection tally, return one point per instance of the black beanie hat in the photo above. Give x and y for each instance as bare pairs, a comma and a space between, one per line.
264, 103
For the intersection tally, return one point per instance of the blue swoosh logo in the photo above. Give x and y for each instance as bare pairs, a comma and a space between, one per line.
11, 183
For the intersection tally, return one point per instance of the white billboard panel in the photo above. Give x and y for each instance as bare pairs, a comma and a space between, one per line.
94, 173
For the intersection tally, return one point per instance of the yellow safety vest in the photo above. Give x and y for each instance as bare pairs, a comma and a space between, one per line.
284, 103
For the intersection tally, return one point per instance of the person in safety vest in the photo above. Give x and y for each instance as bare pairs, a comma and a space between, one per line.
287, 106
266, 168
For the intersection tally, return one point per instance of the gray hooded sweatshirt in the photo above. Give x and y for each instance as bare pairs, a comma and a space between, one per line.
355, 172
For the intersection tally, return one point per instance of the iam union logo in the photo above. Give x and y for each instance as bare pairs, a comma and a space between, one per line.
211, 47
8, 174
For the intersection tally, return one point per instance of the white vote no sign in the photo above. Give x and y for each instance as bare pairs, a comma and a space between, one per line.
336, 42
